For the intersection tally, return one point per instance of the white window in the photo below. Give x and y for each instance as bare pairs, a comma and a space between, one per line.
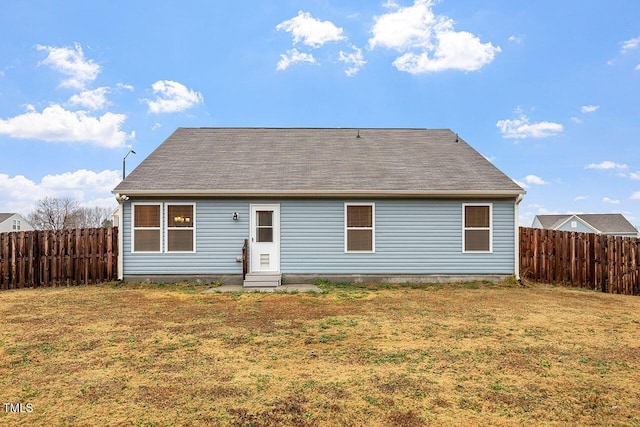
359, 224
477, 226
574, 224
163, 227
17, 225
180, 227
146, 227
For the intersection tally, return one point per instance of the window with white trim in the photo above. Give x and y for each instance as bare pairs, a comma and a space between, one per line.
146, 227
180, 227
17, 225
359, 222
477, 228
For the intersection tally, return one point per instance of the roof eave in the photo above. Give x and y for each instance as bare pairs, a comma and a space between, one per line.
325, 194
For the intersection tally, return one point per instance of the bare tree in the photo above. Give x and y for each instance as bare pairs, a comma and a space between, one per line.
93, 217
54, 213
57, 213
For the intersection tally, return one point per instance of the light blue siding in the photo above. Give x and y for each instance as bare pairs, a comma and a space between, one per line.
580, 227
412, 237
219, 241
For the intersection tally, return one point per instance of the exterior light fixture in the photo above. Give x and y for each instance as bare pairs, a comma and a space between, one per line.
124, 162
235, 216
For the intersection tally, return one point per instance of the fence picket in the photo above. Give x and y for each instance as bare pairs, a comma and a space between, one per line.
62, 258
604, 263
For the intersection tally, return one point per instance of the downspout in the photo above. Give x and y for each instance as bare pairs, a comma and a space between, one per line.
517, 238
120, 200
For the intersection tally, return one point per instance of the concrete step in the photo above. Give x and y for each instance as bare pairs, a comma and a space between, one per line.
262, 280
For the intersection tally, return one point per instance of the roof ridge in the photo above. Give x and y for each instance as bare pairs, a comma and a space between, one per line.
316, 128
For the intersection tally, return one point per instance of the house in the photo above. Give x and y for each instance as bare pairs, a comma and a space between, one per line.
13, 222
343, 204
612, 224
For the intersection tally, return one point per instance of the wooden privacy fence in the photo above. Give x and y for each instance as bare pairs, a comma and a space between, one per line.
58, 258
585, 260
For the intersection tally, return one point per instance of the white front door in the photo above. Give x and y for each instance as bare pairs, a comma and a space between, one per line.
265, 238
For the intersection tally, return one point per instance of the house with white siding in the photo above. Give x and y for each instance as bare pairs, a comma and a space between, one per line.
13, 222
342, 204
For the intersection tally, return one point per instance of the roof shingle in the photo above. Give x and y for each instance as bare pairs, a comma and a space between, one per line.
611, 223
290, 161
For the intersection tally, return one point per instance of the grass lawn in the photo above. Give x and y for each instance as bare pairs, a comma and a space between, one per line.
402, 355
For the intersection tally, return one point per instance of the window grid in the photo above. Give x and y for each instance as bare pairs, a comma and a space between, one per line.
359, 227
180, 227
477, 228
146, 220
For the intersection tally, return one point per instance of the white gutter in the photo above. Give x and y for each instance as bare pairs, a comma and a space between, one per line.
325, 194
516, 248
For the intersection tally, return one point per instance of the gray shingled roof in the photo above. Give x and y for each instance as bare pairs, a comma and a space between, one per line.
295, 161
552, 221
612, 223
5, 216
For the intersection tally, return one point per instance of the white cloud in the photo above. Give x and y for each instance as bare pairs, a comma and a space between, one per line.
531, 180
534, 179
577, 120
390, 4
55, 124
541, 210
516, 39
354, 61
124, 86
72, 63
89, 188
636, 195
310, 31
172, 97
635, 175
82, 180
92, 99
520, 128
578, 198
605, 165
293, 56
611, 201
589, 108
630, 45
428, 43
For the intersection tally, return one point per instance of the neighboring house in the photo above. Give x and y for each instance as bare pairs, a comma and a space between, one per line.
115, 216
610, 224
345, 204
13, 222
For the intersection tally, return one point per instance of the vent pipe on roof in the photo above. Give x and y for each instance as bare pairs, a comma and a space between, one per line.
358, 135
457, 139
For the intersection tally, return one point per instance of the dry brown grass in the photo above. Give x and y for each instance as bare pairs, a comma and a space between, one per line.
475, 354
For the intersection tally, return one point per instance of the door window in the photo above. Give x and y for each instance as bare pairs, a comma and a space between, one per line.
264, 226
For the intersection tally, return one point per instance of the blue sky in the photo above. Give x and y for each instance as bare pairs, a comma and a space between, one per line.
546, 90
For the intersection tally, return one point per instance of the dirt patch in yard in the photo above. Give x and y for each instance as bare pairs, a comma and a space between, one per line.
399, 355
